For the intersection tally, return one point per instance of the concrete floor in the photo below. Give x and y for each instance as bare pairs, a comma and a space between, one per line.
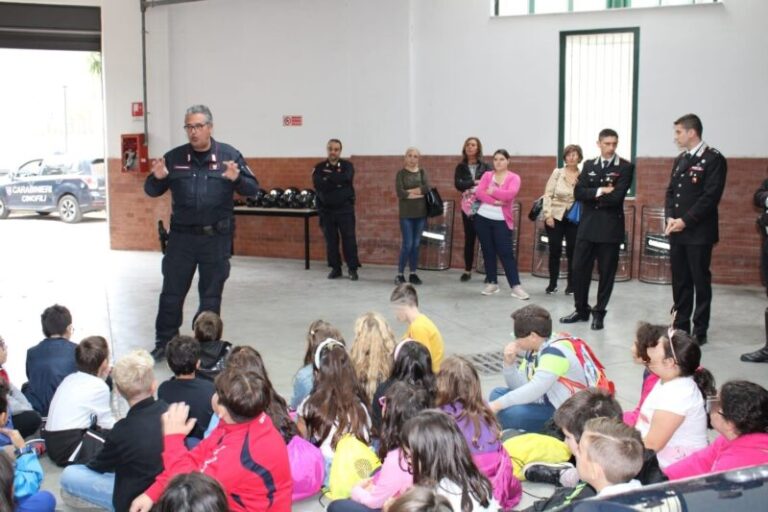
268, 303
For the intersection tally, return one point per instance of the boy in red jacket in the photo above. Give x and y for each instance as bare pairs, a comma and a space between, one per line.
245, 453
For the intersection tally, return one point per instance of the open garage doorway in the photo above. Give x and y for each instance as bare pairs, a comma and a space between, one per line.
51, 170
52, 160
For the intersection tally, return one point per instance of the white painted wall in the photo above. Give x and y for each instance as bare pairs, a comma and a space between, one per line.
498, 78
344, 67
384, 75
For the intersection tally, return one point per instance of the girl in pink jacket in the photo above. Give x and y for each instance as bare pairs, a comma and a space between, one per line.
494, 224
740, 414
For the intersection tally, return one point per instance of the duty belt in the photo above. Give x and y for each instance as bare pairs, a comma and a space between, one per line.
221, 227
195, 230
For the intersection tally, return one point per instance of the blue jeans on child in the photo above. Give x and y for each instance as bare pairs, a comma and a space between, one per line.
349, 506
89, 485
528, 417
411, 230
41, 501
496, 241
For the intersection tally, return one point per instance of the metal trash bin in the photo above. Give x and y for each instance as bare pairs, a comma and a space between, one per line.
655, 264
480, 265
540, 266
624, 269
437, 240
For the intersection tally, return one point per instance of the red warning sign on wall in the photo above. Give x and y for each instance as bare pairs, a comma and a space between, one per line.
137, 109
293, 120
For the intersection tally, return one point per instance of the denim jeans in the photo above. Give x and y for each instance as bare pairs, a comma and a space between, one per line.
349, 506
528, 417
41, 501
496, 241
411, 230
88, 485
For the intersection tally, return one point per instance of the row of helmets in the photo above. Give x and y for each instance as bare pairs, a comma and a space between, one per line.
290, 197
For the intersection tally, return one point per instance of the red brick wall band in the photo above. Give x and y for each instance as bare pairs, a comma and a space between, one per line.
134, 216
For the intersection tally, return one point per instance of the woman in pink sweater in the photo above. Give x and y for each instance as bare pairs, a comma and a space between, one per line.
494, 224
740, 414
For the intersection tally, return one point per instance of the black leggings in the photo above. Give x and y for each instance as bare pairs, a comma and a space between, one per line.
567, 230
469, 241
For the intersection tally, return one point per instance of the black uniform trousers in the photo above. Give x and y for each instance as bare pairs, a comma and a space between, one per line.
584, 256
690, 272
335, 225
555, 235
209, 254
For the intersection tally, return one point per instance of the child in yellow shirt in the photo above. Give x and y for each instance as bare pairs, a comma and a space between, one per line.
405, 303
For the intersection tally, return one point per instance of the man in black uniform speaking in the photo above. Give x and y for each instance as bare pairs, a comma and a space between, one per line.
694, 191
601, 188
333, 179
202, 176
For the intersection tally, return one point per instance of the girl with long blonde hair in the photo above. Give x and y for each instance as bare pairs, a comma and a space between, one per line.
371, 352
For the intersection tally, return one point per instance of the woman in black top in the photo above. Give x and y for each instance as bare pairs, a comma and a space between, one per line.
466, 178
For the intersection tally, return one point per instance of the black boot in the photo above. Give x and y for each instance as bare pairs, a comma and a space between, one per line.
760, 355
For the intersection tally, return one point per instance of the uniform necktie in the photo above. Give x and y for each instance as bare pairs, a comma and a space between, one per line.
605, 163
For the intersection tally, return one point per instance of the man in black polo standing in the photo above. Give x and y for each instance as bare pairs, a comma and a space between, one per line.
694, 191
333, 180
601, 188
203, 176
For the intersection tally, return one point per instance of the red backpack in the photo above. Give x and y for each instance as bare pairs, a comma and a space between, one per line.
594, 371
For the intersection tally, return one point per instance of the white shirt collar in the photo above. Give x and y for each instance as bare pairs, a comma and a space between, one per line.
611, 161
612, 490
696, 149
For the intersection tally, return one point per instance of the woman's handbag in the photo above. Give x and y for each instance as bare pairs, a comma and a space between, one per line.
574, 214
469, 202
434, 203
538, 205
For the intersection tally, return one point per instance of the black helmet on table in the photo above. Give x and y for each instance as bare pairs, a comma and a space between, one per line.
306, 198
288, 199
256, 199
270, 199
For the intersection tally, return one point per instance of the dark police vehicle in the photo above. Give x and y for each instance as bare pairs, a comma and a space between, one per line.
62, 184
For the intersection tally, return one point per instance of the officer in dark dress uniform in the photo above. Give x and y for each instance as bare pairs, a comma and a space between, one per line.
202, 176
333, 181
601, 188
761, 201
694, 191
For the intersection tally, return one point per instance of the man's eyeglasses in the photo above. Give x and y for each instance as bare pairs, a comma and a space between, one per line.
195, 127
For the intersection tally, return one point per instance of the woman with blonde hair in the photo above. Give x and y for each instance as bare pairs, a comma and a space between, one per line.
371, 352
411, 185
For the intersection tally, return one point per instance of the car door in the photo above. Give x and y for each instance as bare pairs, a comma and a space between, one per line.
49, 182
19, 188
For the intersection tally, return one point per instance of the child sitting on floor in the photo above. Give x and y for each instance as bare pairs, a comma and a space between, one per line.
609, 456
319, 331
183, 354
81, 401
336, 405
438, 456
405, 303
213, 351
20, 471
